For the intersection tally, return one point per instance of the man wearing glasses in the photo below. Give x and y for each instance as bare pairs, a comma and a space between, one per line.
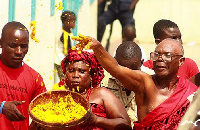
167, 29
165, 56
161, 99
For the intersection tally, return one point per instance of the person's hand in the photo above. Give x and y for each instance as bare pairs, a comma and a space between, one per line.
100, 1
85, 42
92, 120
94, 43
11, 112
133, 4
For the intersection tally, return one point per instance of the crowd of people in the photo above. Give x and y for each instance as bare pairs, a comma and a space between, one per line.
130, 97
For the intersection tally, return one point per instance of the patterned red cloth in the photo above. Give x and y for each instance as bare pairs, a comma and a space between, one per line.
167, 115
90, 59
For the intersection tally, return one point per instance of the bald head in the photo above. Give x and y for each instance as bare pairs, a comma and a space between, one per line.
14, 43
129, 54
128, 50
128, 33
12, 26
172, 46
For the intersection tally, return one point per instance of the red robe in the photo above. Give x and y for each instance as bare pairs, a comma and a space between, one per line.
167, 115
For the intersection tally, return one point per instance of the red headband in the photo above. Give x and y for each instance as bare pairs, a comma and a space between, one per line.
89, 58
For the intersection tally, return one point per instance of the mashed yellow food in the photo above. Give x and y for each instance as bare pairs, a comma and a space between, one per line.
64, 111
84, 42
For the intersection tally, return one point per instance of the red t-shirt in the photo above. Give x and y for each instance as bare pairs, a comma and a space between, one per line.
187, 70
21, 84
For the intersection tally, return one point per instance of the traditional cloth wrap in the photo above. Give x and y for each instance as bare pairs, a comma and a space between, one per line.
90, 59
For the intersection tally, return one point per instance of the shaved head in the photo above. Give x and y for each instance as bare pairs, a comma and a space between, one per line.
172, 44
11, 26
14, 43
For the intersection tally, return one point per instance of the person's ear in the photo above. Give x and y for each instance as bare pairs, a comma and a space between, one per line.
0, 43
142, 61
157, 41
181, 61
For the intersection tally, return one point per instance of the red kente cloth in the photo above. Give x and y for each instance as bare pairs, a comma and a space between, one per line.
168, 115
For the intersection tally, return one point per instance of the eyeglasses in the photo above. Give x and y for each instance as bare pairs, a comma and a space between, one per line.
165, 56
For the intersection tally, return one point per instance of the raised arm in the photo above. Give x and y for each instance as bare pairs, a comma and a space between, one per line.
132, 80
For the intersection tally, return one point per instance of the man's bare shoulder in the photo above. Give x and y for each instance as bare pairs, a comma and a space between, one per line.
145, 77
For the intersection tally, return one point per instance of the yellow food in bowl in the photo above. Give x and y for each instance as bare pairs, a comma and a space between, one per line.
64, 111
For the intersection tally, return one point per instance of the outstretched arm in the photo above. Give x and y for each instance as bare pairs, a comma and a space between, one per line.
131, 79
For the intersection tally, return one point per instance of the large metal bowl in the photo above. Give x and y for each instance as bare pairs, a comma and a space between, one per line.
54, 96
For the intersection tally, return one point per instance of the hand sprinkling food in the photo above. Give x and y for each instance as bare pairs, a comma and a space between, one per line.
84, 42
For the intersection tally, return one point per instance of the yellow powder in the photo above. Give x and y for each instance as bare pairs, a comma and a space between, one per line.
64, 111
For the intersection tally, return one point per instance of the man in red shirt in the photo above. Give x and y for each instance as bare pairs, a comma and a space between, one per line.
19, 83
167, 29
